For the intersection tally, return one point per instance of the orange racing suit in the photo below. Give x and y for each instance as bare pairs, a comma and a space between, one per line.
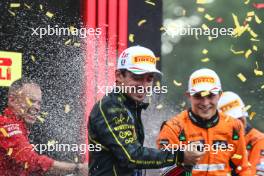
222, 138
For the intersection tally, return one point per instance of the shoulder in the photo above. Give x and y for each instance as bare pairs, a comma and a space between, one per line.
176, 122
229, 121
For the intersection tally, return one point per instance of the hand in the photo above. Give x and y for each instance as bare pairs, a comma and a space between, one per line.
193, 154
83, 169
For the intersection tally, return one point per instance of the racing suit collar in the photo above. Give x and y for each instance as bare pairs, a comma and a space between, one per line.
10, 114
197, 120
128, 101
248, 128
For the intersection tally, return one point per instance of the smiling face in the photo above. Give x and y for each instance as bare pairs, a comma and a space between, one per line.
25, 102
204, 106
135, 83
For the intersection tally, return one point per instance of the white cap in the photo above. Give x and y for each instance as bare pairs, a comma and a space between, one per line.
138, 60
204, 80
231, 104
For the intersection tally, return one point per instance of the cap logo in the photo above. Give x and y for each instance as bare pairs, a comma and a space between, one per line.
124, 55
123, 62
230, 105
144, 59
203, 79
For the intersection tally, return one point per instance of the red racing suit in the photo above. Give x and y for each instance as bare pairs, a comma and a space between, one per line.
17, 157
255, 148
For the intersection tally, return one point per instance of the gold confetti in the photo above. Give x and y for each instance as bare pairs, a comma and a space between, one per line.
236, 52
160, 106
205, 27
49, 14
248, 52
41, 7
200, 9
248, 19
257, 19
252, 115
67, 108
42, 120
77, 44
158, 84
254, 40
262, 87
51, 142
157, 58
9, 151
14, 5
201, 1
149, 2
76, 159
210, 38
205, 93
12, 13
205, 59
141, 22
33, 58
177, 83
26, 165
255, 48
27, 6
237, 156
241, 77
245, 109
247, 1
205, 51
3, 131
67, 42
250, 14
258, 72
252, 33
238, 30
28, 101
131, 38
208, 17
72, 30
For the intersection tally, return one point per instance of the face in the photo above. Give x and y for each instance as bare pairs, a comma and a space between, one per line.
137, 84
25, 103
243, 120
204, 106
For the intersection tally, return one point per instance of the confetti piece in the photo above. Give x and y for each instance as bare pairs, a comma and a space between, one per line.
183, 104
205, 93
42, 120
12, 13
248, 19
201, 1
255, 48
257, 19
219, 20
254, 40
183, 12
27, 6
252, 13
141, 22
67, 42
33, 58
236, 52
14, 5
239, 168
72, 29
77, 44
157, 58
200, 9
247, 1
241, 77
131, 38
29, 102
51, 142
245, 109
205, 51
67, 108
262, 87
248, 53
49, 14
258, 72
237, 156
252, 115
149, 2
210, 38
205, 59
252, 33
3, 131
258, 6
76, 160
26, 165
177, 83
208, 17
205, 27
9, 151
41, 7
158, 84
160, 106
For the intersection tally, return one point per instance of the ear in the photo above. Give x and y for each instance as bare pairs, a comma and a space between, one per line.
119, 76
187, 94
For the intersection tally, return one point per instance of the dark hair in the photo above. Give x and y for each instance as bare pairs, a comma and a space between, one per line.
123, 71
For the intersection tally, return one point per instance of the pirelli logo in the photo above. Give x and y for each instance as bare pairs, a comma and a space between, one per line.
229, 106
144, 59
203, 79
10, 67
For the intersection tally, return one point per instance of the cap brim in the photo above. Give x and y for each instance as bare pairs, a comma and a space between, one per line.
199, 92
142, 71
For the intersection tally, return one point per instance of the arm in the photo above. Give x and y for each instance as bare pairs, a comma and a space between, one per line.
256, 154
117, 131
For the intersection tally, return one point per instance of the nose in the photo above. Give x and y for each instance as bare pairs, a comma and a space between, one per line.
205, 101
